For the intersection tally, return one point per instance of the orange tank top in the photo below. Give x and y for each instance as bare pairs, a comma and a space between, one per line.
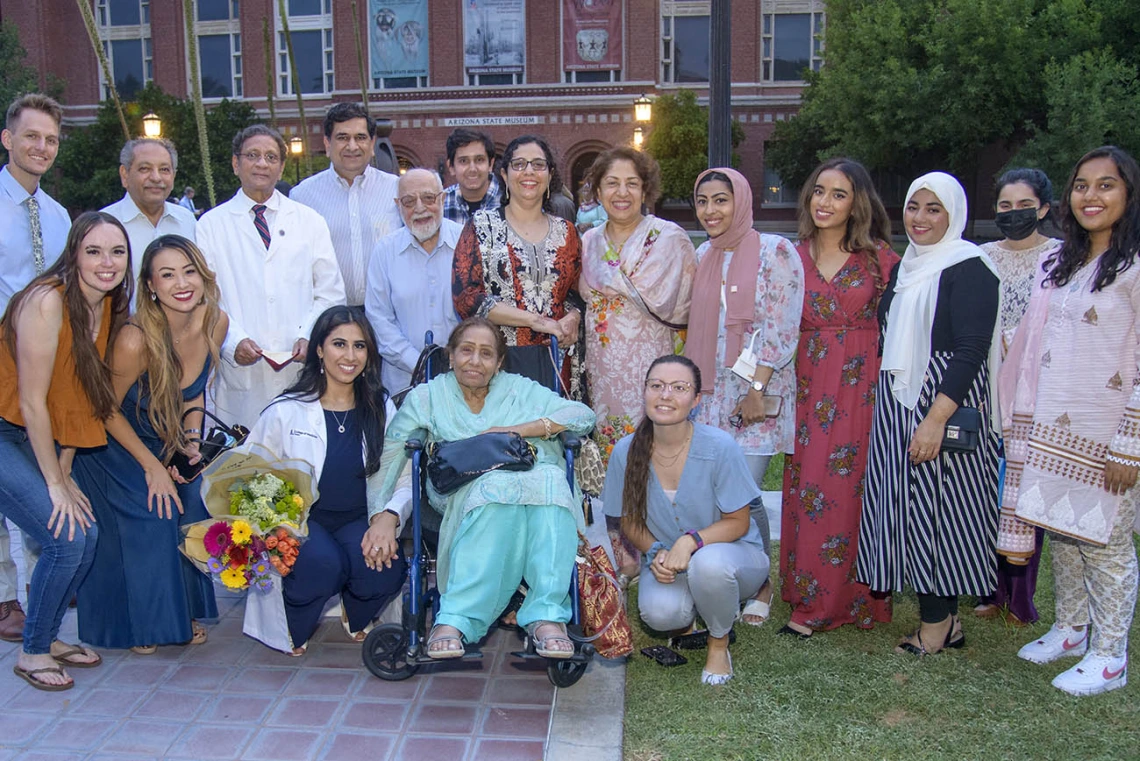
73, 421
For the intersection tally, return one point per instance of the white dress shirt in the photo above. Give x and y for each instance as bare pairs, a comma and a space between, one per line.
409, 293
358, 215
272, 296
17, 265
175, 220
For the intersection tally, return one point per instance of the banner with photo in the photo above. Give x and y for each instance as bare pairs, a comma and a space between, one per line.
494, 36
591, 34
398, 37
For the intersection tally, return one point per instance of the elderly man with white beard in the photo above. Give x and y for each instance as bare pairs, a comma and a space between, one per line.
409, 278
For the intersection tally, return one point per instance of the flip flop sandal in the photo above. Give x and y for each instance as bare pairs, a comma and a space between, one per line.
62, 658
540, 646
144, 649
29, 676
201, 634
447, 653
757, 608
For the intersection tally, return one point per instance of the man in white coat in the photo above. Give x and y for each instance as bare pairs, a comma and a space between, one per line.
277, 272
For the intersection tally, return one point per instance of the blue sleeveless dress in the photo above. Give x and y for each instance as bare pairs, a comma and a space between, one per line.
140, 590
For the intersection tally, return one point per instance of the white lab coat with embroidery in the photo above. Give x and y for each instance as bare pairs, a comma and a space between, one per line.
295, 429
272, 296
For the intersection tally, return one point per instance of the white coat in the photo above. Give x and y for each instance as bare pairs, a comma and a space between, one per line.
272, 296
295, 429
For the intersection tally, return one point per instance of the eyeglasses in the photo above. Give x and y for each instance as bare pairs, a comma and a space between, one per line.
253, 157
427, 199
677, 387
520, 165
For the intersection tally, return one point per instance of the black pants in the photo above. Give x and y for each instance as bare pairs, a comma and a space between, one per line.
935, 608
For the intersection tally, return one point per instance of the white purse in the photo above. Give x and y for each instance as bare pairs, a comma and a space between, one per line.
745, 365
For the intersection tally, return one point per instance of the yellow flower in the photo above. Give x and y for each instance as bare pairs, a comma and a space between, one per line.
233, 578
241, 531
298, 501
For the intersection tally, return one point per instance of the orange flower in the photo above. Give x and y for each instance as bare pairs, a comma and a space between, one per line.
282, 533
290, 560
270, 542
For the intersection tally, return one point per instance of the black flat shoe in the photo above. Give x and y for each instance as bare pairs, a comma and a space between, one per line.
792, 632
698, 640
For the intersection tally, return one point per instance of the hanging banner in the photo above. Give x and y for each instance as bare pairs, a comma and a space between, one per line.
494, 36
398, 38
591, 34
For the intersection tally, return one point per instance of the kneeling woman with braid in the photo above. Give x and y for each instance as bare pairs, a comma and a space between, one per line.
704, 555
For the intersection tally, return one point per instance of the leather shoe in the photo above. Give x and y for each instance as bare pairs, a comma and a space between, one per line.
11, 621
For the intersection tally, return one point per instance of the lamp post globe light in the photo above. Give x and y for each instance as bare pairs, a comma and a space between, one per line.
638, 137
296, 148
643, 109
152, 125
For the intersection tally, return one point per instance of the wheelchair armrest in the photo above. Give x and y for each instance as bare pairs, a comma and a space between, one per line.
413, 445
570, 441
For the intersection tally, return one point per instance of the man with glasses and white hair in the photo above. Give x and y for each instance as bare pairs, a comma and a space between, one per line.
354, 197
409, 278
277, 272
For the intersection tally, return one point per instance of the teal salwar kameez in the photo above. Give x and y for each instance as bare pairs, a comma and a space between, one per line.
504, 526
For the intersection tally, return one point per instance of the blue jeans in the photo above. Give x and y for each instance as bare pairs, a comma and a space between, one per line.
63, 563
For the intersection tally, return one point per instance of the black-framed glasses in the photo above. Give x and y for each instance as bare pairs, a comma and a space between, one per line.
520, 165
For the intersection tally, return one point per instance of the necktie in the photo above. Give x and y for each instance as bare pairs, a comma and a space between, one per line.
37, 234
260, 223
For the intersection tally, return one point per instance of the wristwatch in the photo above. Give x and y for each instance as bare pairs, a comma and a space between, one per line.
758, 387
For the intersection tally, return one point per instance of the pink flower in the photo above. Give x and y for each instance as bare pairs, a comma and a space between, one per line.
217, 538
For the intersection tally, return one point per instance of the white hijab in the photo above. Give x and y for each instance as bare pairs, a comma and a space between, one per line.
906, 346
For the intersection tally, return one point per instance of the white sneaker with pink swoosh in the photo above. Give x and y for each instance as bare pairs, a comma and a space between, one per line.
1058, 642
1093, 675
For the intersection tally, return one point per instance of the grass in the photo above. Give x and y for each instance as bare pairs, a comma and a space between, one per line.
846, 695
774, 477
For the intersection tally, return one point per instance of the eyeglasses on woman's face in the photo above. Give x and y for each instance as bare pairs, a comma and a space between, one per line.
677, 388
520, 165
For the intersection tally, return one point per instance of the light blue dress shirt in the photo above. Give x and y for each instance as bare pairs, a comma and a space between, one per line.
17, 265
408, 294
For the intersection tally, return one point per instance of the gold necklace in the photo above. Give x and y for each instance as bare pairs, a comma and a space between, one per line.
669, 460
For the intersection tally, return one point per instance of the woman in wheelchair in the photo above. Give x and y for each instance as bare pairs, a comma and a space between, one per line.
333, 417
504, 526
683, 492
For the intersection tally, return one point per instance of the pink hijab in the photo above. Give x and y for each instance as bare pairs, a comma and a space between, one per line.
739, 286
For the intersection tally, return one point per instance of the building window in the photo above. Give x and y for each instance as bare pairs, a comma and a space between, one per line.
775, 191
398, 83
310, 26
684, 42
494, 42
124, 29
219, 48
592, 77
217, 10
791, 43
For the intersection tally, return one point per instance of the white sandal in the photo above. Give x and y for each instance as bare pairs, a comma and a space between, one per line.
707, 677
757, 608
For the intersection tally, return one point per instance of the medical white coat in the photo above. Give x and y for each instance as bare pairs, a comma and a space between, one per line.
271, 295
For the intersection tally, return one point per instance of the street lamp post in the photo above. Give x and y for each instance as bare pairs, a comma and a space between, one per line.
296, 148
638, 137
720, 77
642, 114
152, 125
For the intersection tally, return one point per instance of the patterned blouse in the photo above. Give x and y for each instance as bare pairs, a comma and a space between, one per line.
1015, 268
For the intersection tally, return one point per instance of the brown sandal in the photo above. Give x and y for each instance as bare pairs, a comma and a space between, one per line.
73, 650
29, 676
201, 634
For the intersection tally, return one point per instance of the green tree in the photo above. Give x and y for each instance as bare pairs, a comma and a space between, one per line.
679, 141
16, 77
915, 85
88, 162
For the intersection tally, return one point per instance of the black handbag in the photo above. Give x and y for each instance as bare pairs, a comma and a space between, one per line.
451, 464
220, 438
962, 430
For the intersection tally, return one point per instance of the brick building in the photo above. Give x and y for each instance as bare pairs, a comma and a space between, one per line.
567, 69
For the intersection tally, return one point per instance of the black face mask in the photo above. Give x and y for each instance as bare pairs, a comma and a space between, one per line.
1017, 224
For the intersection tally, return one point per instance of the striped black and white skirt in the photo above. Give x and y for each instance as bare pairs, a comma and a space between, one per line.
934, 525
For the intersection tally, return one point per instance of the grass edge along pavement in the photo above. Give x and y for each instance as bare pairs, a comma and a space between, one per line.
845, 694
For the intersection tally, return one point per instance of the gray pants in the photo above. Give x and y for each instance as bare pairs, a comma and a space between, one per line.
720, 576
9, 581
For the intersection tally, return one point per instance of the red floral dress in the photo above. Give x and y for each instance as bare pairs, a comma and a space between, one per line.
837, 367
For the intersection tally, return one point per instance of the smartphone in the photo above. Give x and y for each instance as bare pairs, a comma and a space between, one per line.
664, 655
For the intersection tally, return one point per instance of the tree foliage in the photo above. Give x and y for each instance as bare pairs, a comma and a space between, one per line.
915, 85
88, 163
16, 77
679, 141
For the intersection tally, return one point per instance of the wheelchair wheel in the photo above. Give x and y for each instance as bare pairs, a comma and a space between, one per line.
565, 673
386, 653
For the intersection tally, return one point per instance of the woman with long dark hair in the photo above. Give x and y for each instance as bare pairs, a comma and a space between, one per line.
844, 246
1023, 206
1071, 413
141, 592
55, 392
334, 417
518, 266
703, 551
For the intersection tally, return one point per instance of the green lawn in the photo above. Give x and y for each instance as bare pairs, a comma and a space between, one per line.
847, 695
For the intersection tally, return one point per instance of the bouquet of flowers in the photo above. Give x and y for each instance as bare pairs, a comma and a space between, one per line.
267, 500
282, 550
230, 552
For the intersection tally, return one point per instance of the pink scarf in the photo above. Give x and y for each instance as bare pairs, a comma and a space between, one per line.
739, 286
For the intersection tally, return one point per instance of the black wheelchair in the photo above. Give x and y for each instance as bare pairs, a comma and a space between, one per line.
394, 652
